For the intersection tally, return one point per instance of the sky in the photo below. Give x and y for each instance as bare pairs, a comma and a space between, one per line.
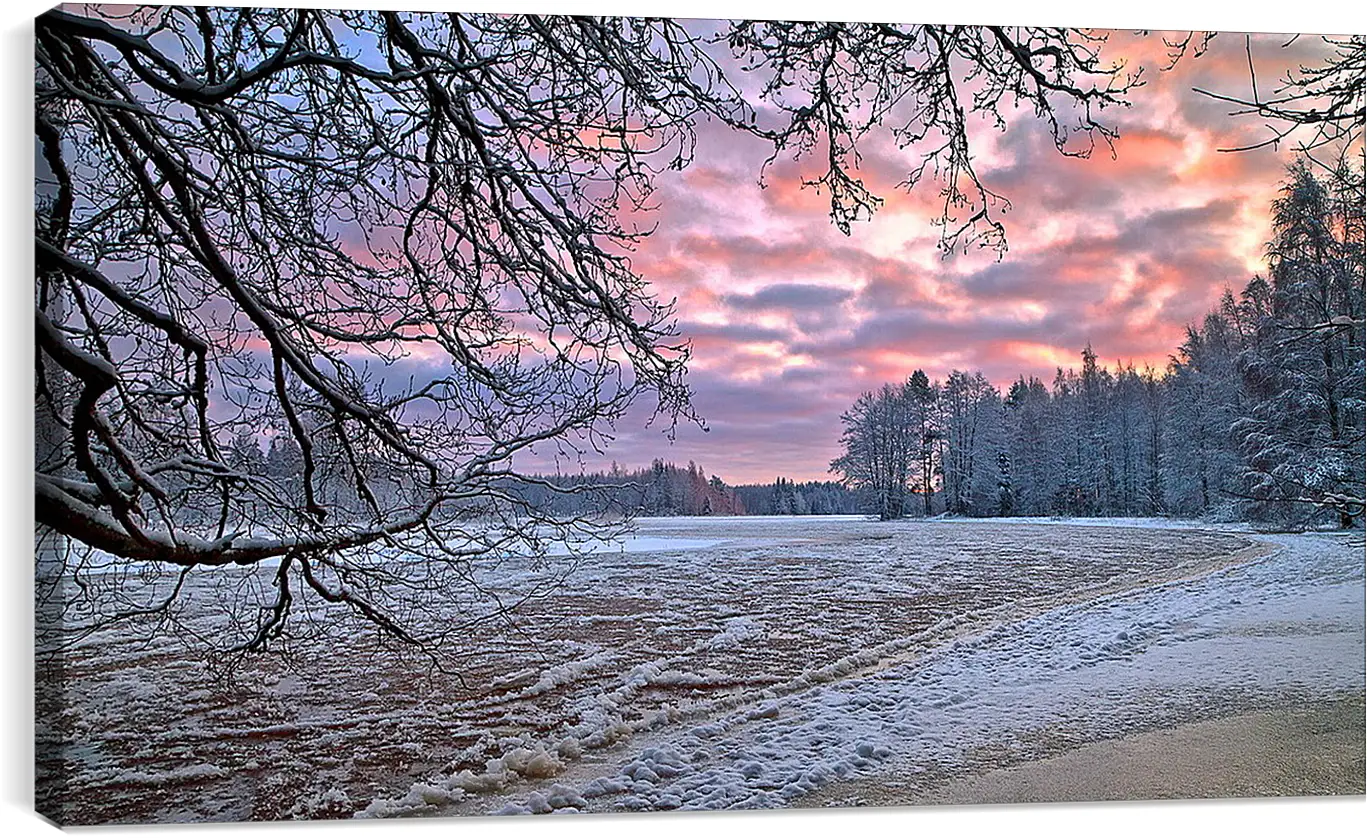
790, 320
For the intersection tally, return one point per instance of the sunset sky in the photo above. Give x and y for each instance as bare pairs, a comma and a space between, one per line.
790, 320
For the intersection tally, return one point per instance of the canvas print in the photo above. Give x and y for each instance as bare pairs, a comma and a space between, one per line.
452, 414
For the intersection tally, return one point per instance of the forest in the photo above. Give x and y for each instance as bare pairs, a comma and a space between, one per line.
1258, 415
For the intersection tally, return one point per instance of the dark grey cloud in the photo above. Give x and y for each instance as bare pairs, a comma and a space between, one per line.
790, 297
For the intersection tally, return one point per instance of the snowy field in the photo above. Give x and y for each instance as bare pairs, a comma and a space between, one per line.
714, 663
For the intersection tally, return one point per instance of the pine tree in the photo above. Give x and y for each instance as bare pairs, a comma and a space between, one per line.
1302, 440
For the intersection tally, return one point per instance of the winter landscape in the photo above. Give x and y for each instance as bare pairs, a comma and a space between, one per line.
445, 414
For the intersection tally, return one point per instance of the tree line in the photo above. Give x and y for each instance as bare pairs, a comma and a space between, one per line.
1258, 415
665, 489
662, 489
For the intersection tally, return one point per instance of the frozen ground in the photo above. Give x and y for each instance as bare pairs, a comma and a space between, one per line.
735, 662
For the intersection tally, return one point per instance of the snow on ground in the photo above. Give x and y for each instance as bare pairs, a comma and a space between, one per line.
1286, 627
737, 662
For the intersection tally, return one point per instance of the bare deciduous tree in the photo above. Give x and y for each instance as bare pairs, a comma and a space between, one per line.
1321, 105
880, 440
260, 219
834, 83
